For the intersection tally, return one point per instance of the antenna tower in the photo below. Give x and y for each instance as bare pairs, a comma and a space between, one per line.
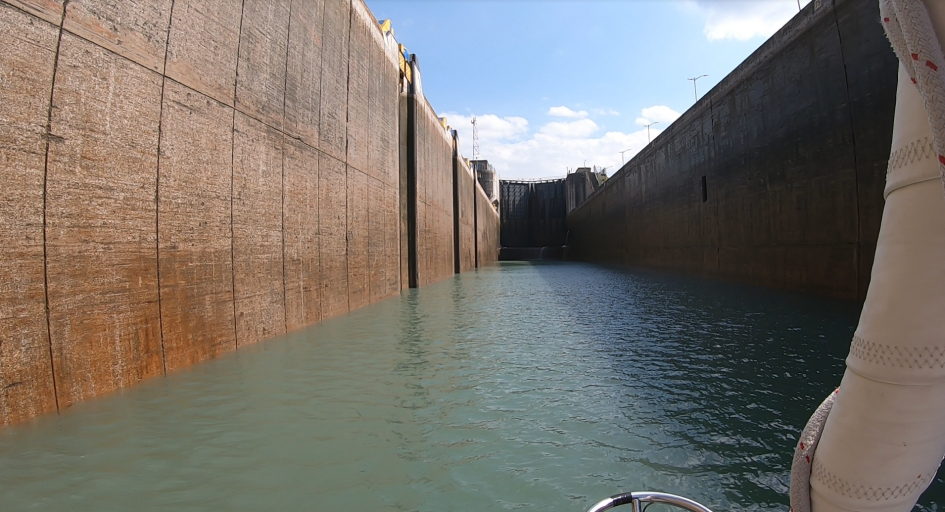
475, 124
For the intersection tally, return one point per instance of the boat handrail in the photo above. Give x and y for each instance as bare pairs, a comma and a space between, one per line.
636, 498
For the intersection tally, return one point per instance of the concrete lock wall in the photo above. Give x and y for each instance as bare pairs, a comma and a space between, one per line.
184, 178
464, 212
487, 229
774, 177
434, 175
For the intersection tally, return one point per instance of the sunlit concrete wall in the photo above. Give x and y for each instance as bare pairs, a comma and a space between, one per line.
487, 229
464, 213
434, 173
793, 147
184, 178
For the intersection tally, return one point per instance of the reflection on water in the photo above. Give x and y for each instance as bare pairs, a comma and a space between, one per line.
542, 387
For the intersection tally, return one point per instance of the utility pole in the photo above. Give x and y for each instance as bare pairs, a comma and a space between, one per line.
648, 130
621, 154
475, 124
694, 93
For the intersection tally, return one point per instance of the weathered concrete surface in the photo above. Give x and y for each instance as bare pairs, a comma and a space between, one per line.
301, 231
236, 197
101, 222
203, 44
261, 71
48, 10
357, 249
434, 197
368, 170
332, 228
133, 29
793, 146
383, 165
487, 230
333, 107
580, 185
871, 97
359, 63
304, 70
257, 231
376, 215
195, 255
464, 216
27, 56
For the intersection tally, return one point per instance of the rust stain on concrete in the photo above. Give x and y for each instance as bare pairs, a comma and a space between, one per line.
27, 56
101, 218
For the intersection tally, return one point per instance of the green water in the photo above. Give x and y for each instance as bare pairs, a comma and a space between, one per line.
537, 387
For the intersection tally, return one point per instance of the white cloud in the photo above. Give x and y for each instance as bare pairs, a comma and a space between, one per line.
742, 19
519, 152
659, 114
491, 127
563, 111
574, 129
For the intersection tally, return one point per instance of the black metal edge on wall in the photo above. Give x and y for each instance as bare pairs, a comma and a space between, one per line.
411, 176
456, 224
475, 200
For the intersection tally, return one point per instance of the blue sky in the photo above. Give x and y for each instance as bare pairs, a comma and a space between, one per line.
559, 84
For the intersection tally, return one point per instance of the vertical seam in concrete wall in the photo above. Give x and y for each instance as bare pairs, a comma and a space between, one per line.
318, 178
856, 167
412, 268
456, 266
475, 193
285, 86
157, 190
351, 15
239, 46
52, 89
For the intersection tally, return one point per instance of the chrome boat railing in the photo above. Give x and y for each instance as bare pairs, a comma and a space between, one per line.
637, 498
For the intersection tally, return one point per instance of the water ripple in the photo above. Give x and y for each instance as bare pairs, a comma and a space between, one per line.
534, 387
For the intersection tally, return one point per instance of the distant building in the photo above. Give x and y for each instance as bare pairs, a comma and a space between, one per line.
581, 184
487, 178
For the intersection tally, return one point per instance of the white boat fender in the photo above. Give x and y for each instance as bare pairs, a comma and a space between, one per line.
881, 438
804, 454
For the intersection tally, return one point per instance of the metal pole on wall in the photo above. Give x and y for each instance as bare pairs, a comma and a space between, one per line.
624, 151
696, 94
648, 130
